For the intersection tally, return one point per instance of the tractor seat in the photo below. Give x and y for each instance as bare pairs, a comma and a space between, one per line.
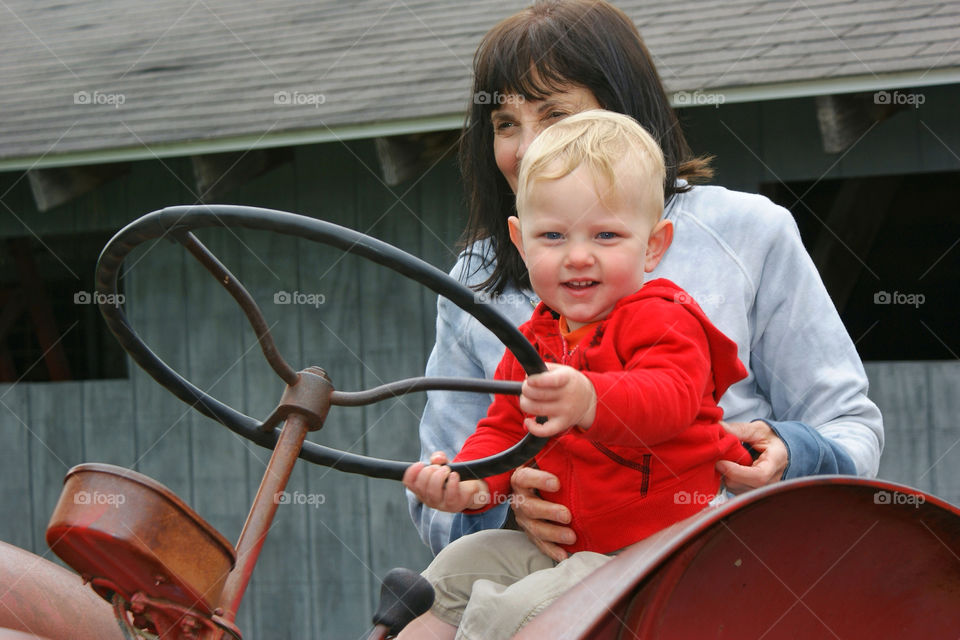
128, 533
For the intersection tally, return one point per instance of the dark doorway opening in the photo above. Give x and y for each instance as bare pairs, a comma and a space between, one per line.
888, 249
50, 325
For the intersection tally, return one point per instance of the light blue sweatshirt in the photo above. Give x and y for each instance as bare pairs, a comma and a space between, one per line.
741, 257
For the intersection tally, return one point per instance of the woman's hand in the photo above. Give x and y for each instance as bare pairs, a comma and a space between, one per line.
766, 469
543, 522
562, 394
436, 486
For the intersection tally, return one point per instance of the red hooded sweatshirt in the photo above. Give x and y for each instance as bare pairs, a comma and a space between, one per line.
658, 366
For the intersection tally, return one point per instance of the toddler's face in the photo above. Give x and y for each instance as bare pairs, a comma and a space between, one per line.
583, 252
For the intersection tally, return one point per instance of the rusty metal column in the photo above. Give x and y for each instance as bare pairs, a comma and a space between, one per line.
304, 407
262, 512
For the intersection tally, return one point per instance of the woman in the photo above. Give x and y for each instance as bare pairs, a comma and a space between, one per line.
803, 407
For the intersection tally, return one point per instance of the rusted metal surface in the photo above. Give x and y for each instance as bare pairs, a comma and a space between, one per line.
168, 620
262, 512
309, 397
810, 558
135, 534
43, 599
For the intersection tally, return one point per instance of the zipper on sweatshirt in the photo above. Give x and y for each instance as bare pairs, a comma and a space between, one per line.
643, 466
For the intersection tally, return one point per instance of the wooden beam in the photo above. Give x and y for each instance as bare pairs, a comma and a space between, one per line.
53, 187
403, 158
217, 174
845, 118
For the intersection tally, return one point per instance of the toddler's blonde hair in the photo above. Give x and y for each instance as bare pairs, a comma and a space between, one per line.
604, 141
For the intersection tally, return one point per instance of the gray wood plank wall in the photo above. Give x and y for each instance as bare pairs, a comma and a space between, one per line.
318, 576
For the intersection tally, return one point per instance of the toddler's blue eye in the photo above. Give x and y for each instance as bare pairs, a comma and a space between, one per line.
607, 235
553, 235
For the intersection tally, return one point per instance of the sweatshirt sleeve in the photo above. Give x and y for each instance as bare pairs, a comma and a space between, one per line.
660, 391
809, 453
808, 367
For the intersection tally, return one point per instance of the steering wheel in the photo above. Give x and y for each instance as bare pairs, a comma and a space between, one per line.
179, 222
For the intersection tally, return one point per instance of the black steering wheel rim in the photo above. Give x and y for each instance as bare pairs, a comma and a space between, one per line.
176, 221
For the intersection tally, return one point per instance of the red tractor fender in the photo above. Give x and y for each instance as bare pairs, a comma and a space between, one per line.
39, 599
818, 557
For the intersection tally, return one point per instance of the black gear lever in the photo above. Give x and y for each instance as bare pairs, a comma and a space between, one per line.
404, 596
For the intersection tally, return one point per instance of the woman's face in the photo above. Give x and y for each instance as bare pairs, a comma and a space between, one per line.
517, 121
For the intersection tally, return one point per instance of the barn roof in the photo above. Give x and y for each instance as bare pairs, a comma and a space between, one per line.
89, 81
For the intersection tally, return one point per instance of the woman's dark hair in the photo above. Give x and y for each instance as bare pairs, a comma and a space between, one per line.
543, 49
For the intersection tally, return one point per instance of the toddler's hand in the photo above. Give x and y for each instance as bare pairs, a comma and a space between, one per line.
440, 488
562, 394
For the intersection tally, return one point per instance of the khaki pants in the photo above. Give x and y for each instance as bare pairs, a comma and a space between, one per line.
490, 584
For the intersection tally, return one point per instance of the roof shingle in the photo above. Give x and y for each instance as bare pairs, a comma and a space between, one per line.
96, 75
